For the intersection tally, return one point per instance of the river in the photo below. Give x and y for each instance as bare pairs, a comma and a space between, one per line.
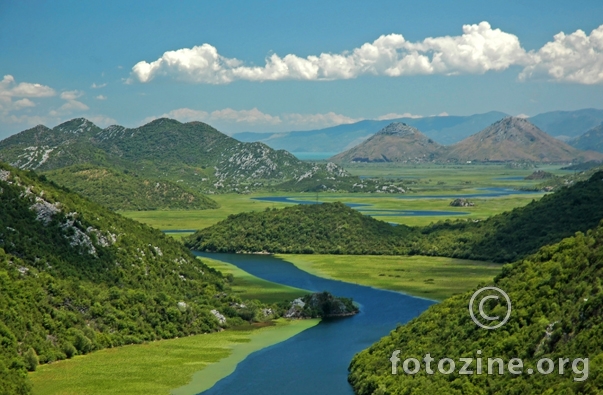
314, 362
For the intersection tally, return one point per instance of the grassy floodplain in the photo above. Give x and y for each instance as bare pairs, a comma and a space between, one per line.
434, 278
247, 286
182, 366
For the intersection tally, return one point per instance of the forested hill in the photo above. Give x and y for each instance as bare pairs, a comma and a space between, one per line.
557, 300
330, 228
76, 277
124, 190
335, 228
194, 154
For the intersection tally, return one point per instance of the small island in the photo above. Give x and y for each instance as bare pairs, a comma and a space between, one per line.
321, 305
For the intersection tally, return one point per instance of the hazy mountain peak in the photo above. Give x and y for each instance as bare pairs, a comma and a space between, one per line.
397, 142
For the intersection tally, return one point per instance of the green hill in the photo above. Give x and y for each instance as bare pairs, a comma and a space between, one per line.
335, 228
557, 301
76, 277
329, 228
193, 154
126, 191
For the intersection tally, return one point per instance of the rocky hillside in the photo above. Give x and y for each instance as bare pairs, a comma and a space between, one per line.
591, 140
515, 139
194, 154
128, 191
76, 277
397, 142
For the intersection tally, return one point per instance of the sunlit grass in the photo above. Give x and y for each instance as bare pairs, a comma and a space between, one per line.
248, 286
430, 277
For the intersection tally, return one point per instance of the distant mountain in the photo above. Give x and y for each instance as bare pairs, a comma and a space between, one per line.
397, 142
591, 140
515, 139
444, 129
194, 154
127, 191
565, 125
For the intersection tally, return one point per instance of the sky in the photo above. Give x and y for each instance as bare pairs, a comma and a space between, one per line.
271, 66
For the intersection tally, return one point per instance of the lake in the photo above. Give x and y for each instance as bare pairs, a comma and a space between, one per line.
314, 362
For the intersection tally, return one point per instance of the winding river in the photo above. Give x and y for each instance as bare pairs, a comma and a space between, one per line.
315, 361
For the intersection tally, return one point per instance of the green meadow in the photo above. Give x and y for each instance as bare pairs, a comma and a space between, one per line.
434, 278
184, 366
247, 286
179, 366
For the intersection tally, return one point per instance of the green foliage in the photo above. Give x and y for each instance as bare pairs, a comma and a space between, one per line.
337, 229
76, 277
127, 191
31, 360
557, 299
330, 228
195, 155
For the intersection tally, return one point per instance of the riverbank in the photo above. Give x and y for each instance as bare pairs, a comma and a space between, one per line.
184, 366
435, 278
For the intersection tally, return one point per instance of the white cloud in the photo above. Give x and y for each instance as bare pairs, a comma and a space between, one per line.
443, 114
9, 88
522, 116
317, 120
478, 50
97, 86
231, 119
102, 120
576, 58
101, 97
393, 115
71, 95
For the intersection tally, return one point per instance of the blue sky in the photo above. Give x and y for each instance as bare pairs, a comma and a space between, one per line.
291, 65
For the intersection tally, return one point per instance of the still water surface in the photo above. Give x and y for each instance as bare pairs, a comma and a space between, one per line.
315, 361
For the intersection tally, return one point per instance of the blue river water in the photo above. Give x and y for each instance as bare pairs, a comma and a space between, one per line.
314, 362
363, 207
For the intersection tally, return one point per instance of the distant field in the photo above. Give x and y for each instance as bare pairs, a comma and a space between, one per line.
425, 179
429, 277
248, 286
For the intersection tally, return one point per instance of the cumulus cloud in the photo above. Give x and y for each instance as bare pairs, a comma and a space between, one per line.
102, 120
393, 115
97, 86
478, 50
576, 57
236, 120
9, 88
101, 97
71, 95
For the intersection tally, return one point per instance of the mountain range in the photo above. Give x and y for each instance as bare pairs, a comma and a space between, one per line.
446, 130
592, 139
511, 139
194, 155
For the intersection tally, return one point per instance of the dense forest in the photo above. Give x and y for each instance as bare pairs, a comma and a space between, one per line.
337, 229
125, 190
557, 299
76, 277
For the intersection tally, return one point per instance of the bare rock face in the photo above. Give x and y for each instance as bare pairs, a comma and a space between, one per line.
540, 175
461, 203
397, 142
515, 139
